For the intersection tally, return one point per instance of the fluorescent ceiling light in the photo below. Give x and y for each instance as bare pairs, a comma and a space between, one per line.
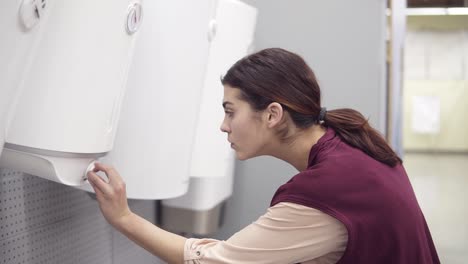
457, 11
436, 11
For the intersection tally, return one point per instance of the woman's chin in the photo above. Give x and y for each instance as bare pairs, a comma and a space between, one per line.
242, 156
239, 157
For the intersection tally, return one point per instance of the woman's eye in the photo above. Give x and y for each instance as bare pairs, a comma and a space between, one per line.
229, 113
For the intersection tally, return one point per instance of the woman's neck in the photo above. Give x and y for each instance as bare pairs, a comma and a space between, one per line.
296, 151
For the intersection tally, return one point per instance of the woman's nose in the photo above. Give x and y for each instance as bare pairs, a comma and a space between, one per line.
224, 127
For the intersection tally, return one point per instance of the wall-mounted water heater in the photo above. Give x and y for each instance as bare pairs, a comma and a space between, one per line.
169, 127
154, 141
87, 82
75, 57
199, 211
19, 31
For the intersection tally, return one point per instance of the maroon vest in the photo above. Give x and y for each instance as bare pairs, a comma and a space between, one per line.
375, 202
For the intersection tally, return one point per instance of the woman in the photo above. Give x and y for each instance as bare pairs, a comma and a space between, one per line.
351, 201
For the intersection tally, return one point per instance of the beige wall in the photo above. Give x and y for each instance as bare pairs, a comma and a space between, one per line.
453, 132
437, 22
436, 66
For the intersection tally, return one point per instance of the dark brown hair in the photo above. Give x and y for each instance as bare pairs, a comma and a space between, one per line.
277, 75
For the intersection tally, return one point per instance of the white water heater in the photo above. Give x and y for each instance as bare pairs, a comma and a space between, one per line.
71, 86
16, 43
155, 135
199, 211
163, 136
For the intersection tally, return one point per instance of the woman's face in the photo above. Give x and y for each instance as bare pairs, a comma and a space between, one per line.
245, 127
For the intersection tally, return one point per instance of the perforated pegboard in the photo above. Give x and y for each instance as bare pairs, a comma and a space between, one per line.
67, 241
27, 202
45, 222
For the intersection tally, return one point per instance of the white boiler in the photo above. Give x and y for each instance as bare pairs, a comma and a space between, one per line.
16, 43
212, 168
155, 136
71, 87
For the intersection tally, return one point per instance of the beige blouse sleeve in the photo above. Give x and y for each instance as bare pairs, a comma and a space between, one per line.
287, 233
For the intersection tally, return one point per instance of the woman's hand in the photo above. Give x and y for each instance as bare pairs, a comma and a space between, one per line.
111, 196
112, 200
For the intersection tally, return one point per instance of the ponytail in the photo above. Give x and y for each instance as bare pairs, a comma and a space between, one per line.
355, 130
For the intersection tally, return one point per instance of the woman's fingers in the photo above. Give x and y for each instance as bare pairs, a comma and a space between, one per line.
115, 185
99, 183
101, 167
110, 172
111, 195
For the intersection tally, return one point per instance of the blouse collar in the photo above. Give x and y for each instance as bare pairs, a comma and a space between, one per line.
320, 146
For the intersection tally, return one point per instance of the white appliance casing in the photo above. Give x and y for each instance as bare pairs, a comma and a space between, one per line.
153, 145
70, 90
16, 46
212, 166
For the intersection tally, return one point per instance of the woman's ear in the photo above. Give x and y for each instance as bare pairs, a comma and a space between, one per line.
274, 114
